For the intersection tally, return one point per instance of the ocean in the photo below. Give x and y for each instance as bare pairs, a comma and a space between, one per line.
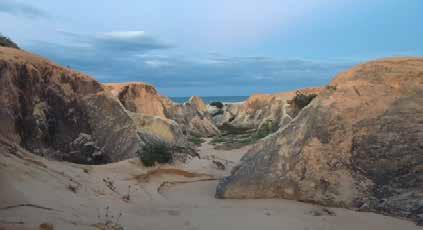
209, 99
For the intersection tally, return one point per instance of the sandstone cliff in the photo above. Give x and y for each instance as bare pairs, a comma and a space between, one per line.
258, 108
191, 117
62, 114
357, 145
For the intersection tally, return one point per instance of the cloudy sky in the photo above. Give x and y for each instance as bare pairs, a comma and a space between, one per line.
215, 47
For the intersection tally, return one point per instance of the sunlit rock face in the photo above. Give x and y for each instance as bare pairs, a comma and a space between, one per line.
357, 145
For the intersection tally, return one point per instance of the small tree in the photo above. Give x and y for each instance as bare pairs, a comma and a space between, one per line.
155, 150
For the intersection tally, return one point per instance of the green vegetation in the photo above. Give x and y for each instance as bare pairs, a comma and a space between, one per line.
217, 104
196, 140
232, 137
266, 128
331, 87
155, 151
235, 137
7, 42
300, 101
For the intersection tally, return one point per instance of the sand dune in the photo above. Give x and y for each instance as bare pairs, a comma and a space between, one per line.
180, 196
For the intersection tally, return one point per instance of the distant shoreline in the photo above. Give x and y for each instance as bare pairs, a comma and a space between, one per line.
209, 99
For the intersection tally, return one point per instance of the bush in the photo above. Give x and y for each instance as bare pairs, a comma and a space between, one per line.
196, 140
7, 42
217, 104
266, 128
300, 101
331, 87
155, 151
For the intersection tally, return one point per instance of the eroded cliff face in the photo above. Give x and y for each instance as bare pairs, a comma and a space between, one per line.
191, 117
140, 98
62, 114
357, 145
259, 110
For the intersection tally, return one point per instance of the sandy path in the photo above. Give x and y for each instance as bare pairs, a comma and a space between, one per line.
185, 200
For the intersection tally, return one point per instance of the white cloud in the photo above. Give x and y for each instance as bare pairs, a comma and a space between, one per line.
21, 9
135, 34
156, 63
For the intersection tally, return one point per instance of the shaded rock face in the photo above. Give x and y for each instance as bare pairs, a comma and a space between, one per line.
46, 108
112, 127
7, 42
357, 145
192, 117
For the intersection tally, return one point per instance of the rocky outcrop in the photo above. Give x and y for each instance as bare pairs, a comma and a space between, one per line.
140, 98
7, 42
260, 110
165, 129
112, 127
192, 117
61, 114
357, 145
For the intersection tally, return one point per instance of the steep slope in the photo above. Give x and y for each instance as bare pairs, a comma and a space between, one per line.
140, 98
62, 114
259, 108
192, 117
357, 145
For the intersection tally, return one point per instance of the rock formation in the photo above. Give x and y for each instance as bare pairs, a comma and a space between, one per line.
357, 145
259, 110
62, 114
7, 42
41, 105
192, 117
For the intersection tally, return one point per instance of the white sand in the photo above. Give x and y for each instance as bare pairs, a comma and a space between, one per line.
173, 197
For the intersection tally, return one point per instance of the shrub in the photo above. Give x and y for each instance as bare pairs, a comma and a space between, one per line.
155, 151
196, 140
7, 42
331, 87
217, 104
266, 128
300, 101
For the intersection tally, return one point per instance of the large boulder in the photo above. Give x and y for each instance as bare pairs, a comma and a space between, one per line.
112, 127
357, 145
167, 130
139, 98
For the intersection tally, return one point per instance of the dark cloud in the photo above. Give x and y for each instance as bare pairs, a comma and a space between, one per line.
127, 56
21, 9
128, 41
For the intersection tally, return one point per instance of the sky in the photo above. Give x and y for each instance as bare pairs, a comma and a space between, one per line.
215, 47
